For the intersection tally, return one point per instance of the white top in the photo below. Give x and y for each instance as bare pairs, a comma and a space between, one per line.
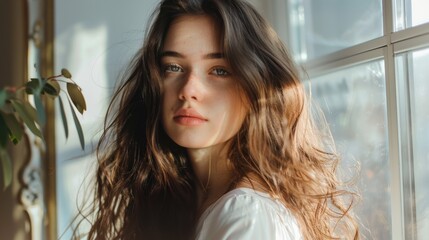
246, 214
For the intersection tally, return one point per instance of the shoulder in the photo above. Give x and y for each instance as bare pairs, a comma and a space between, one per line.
247, 214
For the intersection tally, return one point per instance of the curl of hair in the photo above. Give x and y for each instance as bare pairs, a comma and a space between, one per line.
145, 185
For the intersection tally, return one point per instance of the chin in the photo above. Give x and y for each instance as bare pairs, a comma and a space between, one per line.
201, 143
191, 144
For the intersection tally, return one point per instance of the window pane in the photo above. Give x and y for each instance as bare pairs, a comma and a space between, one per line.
321, 27
410, 13
414, 69
354, 104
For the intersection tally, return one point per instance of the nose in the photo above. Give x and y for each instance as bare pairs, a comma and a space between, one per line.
192, 88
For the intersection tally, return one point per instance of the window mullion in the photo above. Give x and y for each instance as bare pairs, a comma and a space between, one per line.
393, 126
407, 146
394, 146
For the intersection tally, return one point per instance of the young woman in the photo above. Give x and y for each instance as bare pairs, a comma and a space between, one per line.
212, 138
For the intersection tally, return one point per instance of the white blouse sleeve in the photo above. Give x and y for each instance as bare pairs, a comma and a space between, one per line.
248, 217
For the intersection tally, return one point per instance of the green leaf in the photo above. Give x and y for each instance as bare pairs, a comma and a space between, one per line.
31, 111
78, 127
4, 133
66, 73
7, 168
76, 97
52, 87
40, 109
15, 128
3, 97
27, 113
63, 117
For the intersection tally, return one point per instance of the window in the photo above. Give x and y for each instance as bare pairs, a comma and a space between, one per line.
367, 63
317, 31
353, 100
412, 75
410, 13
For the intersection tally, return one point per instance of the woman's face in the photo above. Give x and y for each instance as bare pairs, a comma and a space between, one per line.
202, 105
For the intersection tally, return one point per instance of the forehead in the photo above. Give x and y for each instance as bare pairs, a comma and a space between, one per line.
193, 31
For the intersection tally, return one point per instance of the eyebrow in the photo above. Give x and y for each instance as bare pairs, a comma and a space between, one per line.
215, 55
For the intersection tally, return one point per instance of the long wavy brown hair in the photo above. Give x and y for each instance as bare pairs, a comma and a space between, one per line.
145, 185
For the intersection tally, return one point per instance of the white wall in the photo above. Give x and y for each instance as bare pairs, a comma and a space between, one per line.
95, 40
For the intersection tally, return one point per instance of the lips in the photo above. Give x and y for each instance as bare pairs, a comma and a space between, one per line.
189, 117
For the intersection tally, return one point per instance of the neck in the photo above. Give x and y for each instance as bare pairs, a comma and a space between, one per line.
213, 174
